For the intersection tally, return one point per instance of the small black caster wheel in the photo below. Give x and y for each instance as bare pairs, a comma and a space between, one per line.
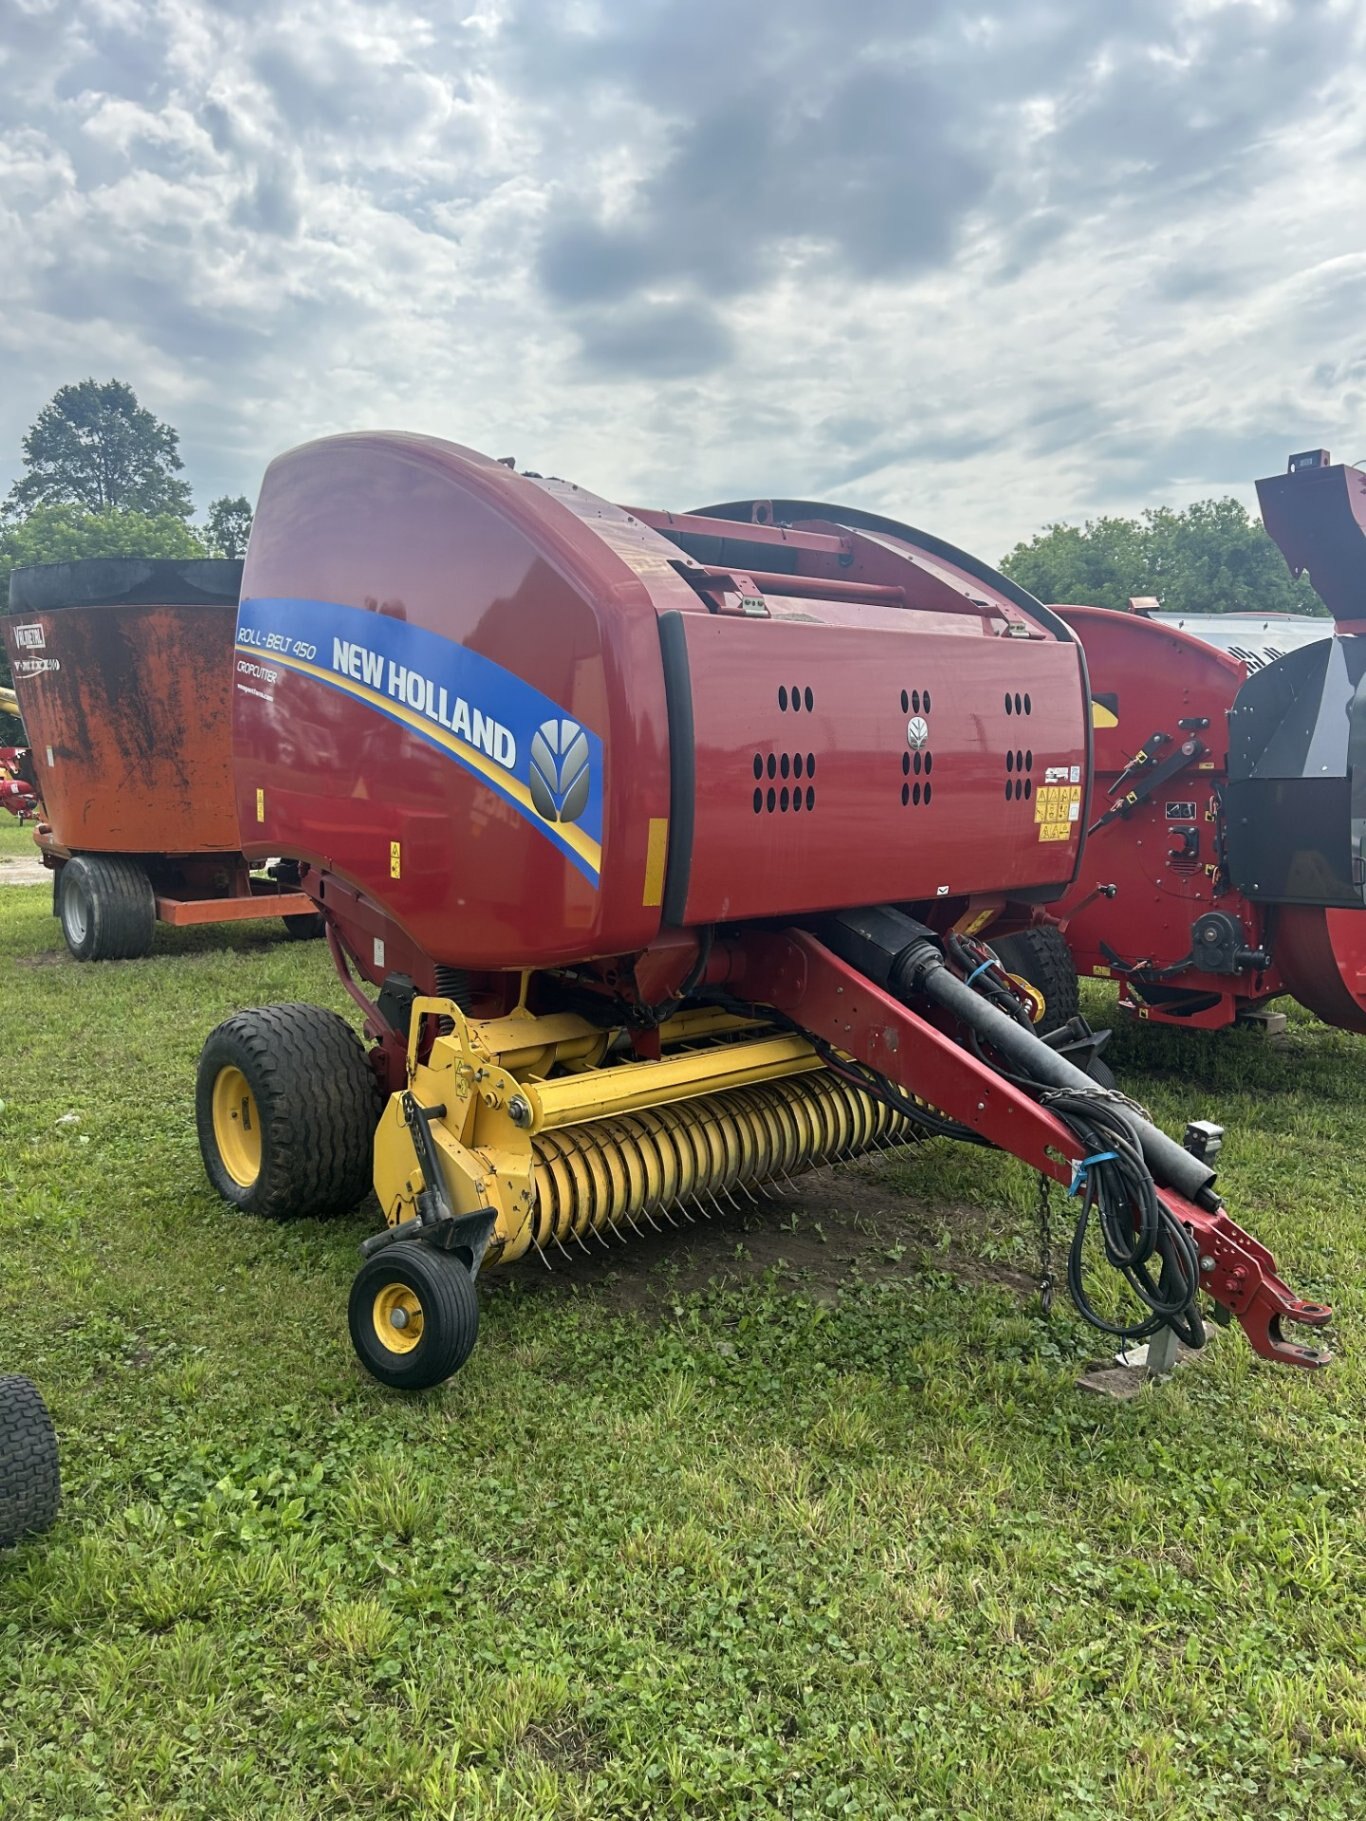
414, 1315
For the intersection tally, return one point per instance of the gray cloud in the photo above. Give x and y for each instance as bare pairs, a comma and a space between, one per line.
983, 267
658, 341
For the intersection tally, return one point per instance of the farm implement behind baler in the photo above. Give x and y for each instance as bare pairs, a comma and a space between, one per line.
123, 674
1224, 863
657, 850
17, 792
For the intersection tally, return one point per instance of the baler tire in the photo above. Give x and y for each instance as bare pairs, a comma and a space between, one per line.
309, 1104
418, 1280
1041, 956
30, 1473
306, 927
106, 907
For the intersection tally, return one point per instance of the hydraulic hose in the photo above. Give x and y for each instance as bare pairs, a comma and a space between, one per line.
903, 956
1123, 1155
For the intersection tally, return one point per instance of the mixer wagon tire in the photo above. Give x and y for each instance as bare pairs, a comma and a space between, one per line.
106, 908
1041, 956
286, 1105
306, 927
413, 1315
30, 1475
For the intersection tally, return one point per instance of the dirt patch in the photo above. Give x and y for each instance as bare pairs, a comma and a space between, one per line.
48, 957
564, 1746
22, 872
819, 1233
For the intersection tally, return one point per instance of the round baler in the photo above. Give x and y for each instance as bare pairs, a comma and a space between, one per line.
1225, 861
656, 849
123, 673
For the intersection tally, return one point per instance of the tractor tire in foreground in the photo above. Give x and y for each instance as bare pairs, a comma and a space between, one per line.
414, 1315
286, 1106
30, 1476
106, 908
1041, 956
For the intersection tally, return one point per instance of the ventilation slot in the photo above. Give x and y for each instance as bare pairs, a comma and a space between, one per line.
1019, 783
783, 783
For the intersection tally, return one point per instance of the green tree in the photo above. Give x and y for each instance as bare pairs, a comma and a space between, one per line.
1098, 564
62, 534
228, 525
93, 445
1207, 558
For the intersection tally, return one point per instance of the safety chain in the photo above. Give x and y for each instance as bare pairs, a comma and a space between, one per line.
1045, 1215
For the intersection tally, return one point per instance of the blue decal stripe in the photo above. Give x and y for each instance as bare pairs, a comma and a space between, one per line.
581, 848
463, 690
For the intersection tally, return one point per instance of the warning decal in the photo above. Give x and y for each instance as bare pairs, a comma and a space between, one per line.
1056, 808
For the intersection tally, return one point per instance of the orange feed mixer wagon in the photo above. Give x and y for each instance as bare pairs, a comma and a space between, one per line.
123, 673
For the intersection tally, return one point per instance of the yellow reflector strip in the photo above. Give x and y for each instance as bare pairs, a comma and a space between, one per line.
260, 806
656, 852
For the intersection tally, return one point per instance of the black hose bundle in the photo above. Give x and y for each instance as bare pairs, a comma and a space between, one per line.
1116, 1187
1142, 1239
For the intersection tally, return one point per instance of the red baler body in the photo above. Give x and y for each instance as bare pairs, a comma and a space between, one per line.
1163, 855
774, 722
1231, 785
545, 758
1228, 785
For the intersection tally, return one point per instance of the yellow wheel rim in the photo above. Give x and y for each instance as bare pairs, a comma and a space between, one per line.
397, 1316
236, 1126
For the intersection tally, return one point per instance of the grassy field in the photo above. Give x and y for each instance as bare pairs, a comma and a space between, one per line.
802, 1517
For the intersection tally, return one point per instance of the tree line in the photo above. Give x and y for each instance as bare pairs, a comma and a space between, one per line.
102, 477
1211, 557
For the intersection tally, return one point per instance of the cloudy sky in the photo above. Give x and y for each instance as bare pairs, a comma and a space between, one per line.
976, 265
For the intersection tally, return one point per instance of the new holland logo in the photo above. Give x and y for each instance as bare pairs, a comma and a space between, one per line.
559, 776
917, 732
